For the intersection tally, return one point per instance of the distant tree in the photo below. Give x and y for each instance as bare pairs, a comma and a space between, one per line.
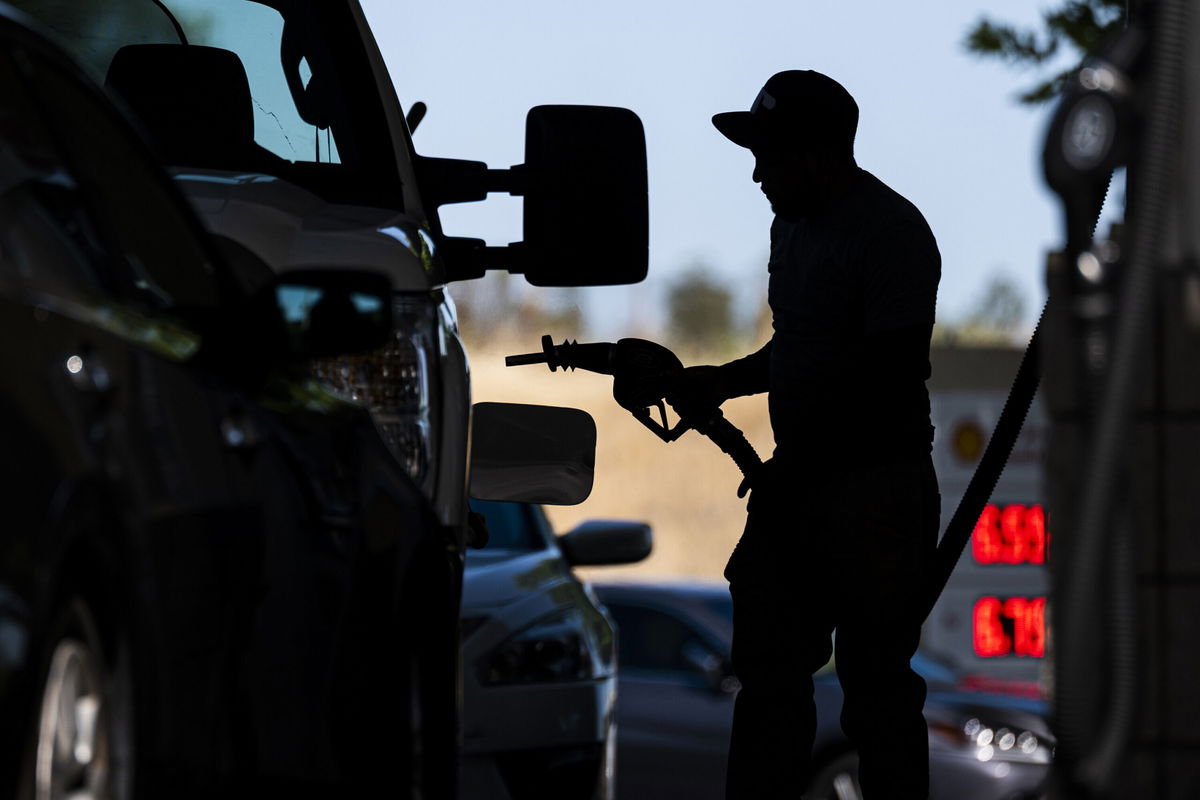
554, 311
700, 310
1080, 25
497, 308
486, 302
995, 318
1001, 307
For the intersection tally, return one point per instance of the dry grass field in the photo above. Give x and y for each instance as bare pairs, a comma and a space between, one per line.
685, 490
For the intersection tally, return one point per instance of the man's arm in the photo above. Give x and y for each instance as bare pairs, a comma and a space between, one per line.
746, 376
902, 268
712, 386
897, 355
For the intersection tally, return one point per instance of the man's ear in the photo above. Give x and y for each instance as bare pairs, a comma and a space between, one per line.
823, 160
815, 161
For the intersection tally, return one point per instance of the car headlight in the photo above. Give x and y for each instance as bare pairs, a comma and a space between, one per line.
396, 384
989, 742
554, 649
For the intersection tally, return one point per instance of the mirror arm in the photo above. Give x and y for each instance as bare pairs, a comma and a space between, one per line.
514, 180
451, 180
471, 258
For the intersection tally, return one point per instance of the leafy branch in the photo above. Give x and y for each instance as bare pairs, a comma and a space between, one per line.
1081, 25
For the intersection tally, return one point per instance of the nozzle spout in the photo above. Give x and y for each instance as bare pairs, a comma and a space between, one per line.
524, 359
594, 357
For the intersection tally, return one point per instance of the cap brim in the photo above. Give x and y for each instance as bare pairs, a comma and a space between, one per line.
739, 127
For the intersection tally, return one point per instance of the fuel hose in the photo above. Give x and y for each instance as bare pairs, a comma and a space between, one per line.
991, 464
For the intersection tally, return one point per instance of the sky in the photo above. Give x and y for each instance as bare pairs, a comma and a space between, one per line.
937, 124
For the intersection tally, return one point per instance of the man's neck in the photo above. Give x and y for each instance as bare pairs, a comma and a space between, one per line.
842, 183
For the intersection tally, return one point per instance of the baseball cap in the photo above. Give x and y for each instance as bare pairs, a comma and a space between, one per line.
795, 108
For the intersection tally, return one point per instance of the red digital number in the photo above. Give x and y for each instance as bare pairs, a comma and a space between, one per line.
1015, 534
1014, 626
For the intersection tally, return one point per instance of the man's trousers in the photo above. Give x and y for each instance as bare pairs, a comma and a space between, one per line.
847, 550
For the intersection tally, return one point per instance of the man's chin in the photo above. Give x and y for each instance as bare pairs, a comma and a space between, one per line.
787, 211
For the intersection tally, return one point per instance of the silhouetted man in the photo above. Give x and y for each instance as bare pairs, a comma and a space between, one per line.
843, 520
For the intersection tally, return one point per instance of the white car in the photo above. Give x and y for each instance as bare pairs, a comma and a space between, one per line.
539, 657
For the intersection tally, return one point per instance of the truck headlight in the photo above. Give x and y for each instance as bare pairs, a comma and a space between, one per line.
549, 651
396, 383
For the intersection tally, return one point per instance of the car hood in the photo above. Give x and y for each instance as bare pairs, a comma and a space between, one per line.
291, 228
495, 579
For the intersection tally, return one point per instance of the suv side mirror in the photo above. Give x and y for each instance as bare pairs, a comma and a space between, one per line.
333, 312
532, 454
586, 220
601, 543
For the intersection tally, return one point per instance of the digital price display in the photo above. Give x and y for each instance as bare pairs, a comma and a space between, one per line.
1012, 626
1013, 534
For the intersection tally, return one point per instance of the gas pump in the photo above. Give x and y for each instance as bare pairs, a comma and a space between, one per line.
1120, 380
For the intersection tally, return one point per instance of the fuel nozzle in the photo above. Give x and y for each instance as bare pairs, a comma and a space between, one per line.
643, 374
593, 357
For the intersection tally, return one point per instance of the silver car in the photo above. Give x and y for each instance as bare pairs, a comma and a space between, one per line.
539, 657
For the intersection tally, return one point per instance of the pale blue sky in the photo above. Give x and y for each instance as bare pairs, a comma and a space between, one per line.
937, 125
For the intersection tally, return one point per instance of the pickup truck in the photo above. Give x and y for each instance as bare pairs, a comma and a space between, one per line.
279, 122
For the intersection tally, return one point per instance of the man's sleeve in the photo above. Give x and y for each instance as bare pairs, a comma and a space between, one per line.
749, 375
901, 270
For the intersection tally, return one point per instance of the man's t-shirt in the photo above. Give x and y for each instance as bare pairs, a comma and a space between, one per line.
852, 296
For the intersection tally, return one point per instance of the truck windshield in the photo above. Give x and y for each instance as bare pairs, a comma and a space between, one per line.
280, 87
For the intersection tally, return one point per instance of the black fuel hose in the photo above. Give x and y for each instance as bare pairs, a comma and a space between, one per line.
991, 464
733, 443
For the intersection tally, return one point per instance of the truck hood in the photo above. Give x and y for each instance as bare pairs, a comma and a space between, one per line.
291, 228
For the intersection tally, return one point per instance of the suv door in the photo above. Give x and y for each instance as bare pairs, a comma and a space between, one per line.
150, 521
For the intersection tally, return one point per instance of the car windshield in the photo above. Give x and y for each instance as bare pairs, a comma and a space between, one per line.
275, 86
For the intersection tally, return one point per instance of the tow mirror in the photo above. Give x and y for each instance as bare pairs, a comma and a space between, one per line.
601, 543
532, 454
586, 218
333, 312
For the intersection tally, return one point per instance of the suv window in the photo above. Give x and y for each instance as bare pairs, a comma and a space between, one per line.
47, 240
85, 215
161, 262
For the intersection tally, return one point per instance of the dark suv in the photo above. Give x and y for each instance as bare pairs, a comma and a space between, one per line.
215, 578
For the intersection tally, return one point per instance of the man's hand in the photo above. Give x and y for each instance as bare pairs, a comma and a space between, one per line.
702, 387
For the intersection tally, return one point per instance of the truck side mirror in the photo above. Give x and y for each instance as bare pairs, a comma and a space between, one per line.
586, 207
586, 219
532, 454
